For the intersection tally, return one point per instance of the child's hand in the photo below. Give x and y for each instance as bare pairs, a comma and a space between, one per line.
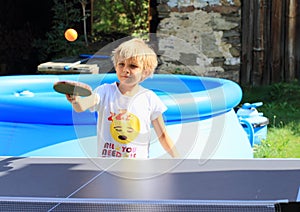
71, 98
80, 104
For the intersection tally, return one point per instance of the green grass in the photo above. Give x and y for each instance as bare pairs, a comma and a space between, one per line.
281, 105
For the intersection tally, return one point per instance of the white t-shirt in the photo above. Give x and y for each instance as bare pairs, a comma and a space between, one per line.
123, 128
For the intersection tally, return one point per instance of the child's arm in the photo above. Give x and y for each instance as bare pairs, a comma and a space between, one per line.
164, 138
81, 104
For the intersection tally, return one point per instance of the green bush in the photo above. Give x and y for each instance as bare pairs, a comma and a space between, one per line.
66, 14
128, 17
112, 19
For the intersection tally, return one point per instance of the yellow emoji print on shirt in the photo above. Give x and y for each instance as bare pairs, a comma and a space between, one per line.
124, 126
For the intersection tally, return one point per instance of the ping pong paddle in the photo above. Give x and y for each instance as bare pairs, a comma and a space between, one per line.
72, 88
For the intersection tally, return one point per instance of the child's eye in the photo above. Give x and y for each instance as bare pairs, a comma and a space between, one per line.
133, 66
121, 64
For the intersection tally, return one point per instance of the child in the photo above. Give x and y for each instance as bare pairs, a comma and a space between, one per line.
125, 109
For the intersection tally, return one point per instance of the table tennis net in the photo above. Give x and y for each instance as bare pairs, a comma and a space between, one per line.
90, 205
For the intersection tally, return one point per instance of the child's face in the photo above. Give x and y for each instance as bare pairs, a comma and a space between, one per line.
129, 71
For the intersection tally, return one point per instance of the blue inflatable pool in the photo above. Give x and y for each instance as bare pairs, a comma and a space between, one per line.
37, 121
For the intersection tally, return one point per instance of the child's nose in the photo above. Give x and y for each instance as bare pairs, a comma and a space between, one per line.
126, 69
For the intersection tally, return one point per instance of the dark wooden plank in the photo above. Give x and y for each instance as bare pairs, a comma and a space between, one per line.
276, 40
290, 41
247, 38
258, 42
270, 48
297, 52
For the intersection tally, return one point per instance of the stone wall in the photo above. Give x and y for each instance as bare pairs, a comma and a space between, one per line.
200, 37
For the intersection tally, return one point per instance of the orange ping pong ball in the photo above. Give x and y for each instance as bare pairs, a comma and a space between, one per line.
71, 34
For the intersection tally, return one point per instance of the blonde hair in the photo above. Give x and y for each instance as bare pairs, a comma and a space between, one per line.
138, 50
